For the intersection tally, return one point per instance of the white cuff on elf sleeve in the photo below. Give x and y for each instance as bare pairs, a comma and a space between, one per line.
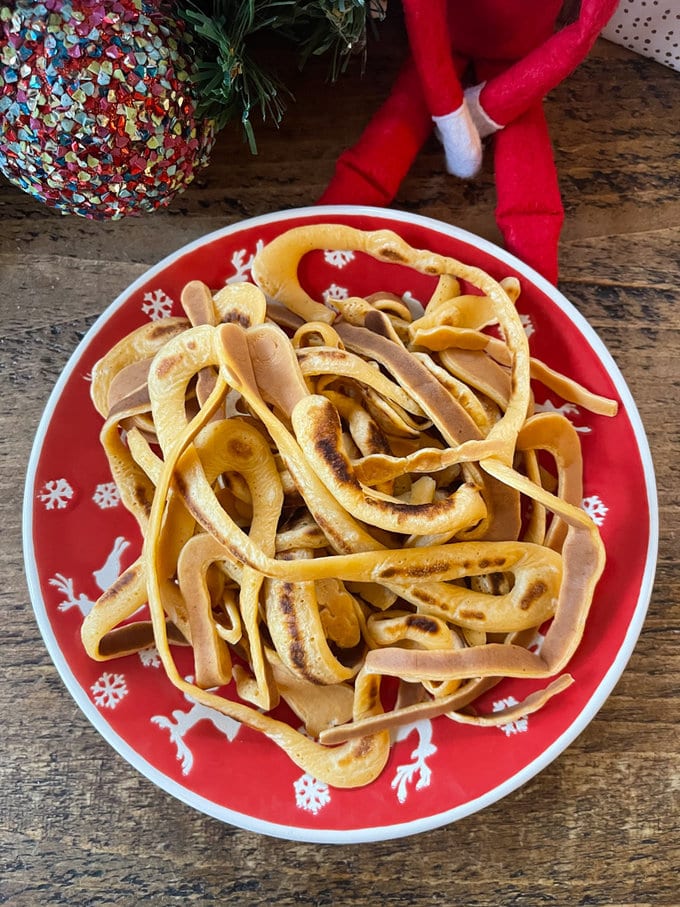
485, 125
462, 144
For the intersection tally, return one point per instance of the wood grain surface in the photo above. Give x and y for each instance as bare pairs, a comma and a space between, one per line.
599, 826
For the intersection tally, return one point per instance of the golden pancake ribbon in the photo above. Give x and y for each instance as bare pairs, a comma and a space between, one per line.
329, 495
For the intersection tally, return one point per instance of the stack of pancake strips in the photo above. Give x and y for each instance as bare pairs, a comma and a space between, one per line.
332, 496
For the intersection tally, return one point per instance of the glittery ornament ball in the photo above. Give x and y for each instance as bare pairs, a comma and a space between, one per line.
97, 115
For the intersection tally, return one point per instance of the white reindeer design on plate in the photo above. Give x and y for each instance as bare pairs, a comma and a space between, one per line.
104, 577
182, 722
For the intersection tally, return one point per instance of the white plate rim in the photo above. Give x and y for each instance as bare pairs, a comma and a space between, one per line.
399, 829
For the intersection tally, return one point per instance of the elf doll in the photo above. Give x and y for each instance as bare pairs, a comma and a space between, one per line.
510, 55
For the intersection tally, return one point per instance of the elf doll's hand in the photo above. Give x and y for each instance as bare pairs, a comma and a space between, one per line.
461, 140
483, 123
436, 66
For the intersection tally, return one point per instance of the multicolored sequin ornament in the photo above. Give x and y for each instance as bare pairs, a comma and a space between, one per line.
97, 114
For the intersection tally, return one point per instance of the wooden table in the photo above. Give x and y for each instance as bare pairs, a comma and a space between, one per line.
600, 825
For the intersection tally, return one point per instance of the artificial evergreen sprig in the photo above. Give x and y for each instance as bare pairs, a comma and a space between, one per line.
334, 27
231, 83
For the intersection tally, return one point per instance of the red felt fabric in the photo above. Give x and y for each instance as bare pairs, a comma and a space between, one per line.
529, 210
528, 80
371, 171
500, 30
426, 24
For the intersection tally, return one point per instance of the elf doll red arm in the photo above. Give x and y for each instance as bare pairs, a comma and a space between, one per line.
516, 57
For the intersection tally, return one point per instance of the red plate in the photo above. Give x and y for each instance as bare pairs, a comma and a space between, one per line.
78, 537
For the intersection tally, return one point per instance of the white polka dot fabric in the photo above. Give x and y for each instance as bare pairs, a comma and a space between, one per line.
650, 27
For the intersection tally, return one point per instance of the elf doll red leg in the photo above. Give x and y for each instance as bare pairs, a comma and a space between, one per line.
529, 208
371, 171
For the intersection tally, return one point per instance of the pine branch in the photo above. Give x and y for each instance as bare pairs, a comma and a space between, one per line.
231, 83
337, 27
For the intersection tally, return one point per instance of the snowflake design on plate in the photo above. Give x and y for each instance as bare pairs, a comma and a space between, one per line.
518, 726
335, 292
150, 657
243, 263
55, 494
106, 495
596, 509
108, 691
311, 794
527, 324
338, 258
157, 304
